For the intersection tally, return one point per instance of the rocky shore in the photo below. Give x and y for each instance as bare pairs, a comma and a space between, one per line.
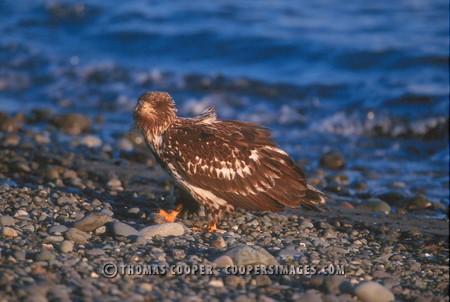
71, 203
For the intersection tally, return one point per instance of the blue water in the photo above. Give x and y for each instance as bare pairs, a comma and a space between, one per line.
368, 79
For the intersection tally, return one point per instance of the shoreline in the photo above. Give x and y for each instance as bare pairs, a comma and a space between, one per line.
68, 208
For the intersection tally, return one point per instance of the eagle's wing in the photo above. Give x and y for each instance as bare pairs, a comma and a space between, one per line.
238, 162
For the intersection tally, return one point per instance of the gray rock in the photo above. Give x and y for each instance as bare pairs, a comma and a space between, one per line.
100, 230
9, 232
66, 246
6, 220
391, 197
332, 284
45, 256
107, 212
95, 251
310, 295
288, 252
121, 229
373, 292
77, 236
332, 160
416, 203
165, 229
53, 239
91, 141
134, 212
72, 123
307, 224
375, 205
20, 255
92, 221
250, 255
63, 200
57, 229
60, 293
223, 261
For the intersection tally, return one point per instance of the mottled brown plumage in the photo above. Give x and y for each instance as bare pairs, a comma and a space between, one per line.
223, 164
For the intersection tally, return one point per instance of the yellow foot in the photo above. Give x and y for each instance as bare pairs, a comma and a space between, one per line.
170, 217
210, 228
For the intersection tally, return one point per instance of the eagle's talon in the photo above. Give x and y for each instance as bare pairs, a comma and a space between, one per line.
170, 217
210, 228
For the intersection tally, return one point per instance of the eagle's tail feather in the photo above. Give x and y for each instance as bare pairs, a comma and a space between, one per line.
315, 199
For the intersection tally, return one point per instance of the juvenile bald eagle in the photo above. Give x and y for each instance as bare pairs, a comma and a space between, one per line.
222, 164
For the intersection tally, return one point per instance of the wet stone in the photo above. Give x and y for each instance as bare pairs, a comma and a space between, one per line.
223, 261
66, 246
416, 203
91, 141
53, 239
121, 229
45, 255
95, 252
9, 232
332, 160
332, 284
7, 220
92, 221
391, 197
72, 123
63, 200
250, 255
165, 229
373, 292
77, 236
57, 229
375, 205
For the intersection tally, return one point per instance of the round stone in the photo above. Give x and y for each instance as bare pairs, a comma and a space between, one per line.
373, 292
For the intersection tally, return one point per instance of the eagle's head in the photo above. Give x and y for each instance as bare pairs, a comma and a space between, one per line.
154, 113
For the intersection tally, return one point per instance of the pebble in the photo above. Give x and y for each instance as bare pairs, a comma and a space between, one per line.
63, 200
146, 287
223, 261
95, 252
332, 160
250, 255
263, 280
347, 205
219, 243
7, 220
7, 123
57, 229
77, 236
21, 213
164, 229
53, 239
121, 229
45, 255
306, 224
310, 295
375, 205
125, 145
373, 292
9, 232
332, 284
216, 283
415, 203
91, 141
91, 222
391, 197
72, 123
66, 246
100, 230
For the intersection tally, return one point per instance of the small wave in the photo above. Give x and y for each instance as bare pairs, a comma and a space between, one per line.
381, 125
